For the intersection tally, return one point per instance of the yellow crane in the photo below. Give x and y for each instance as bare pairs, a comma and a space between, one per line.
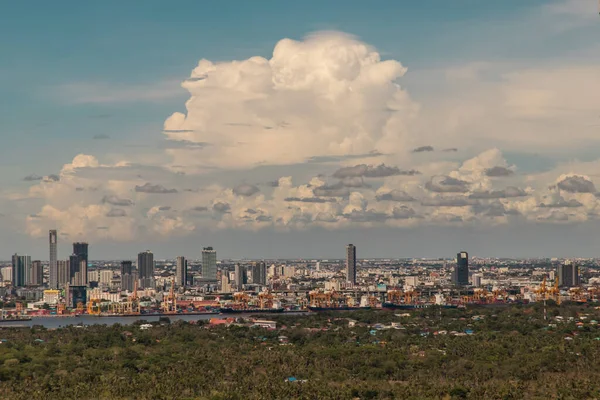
169, 304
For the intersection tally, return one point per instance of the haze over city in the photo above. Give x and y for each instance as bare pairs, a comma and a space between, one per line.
412, 130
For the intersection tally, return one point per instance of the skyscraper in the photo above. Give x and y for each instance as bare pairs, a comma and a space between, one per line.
259, 273
80, 249
37, 273
209, 264
18, 270
568, 274
351, 264
181, 272
53, 267
63, 273
128, 276
146, 269
240, 277
460, 275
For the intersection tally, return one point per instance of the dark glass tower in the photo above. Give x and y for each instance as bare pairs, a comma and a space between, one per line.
460, 276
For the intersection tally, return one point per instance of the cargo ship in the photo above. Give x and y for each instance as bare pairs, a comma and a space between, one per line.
340, 308
401, 306
235, 310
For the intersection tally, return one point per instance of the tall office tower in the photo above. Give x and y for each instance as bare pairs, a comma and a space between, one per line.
240, 277
7, 274
37, 273
63, 273
460, 275
53, 278
73, 268
18, 270
568, 275
27, 268
181, 272
209, 264
259, 273
128, 276
351, 264
146, 269
80, 249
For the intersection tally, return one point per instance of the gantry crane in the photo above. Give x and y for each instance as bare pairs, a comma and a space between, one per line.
93, 306
169, 304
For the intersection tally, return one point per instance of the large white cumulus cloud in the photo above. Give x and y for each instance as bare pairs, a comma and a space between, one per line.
329, 94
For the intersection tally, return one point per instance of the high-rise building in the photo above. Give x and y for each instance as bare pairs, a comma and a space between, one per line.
351, 264
146, 269
128, 276
476, 280
18, 270
181, 272
63, 272
240, 277
53, 277
460, 274
106, 276
80, 249
37, 273
259, 273
7, 274
568, 275
209, 264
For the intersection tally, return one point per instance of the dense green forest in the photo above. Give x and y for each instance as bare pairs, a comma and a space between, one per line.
480, 353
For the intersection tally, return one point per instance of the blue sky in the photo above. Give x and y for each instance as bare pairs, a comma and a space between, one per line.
71, 71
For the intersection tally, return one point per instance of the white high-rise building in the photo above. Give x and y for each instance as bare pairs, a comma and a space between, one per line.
106, 276
53, 266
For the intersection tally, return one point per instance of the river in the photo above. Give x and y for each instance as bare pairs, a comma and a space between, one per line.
61, 322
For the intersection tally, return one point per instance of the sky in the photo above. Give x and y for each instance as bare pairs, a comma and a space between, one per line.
287, 129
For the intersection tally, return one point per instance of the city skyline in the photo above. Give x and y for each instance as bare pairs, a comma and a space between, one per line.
410, 129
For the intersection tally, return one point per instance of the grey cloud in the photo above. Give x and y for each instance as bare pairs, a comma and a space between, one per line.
423, 149
116, 212
245, 189
102, 228
562, 203
495, 209
498, 172
32, 177
403, 213
35, 216
354, 182
446, 184
79, 189
164, 208
101, 136
182, 144
263, 218
221, 207
326, 159
273, 184
337, 190
150, 188
509, 192
200, 209
325, 217
576, 184
366, 216
450, 150
116, 201
448, 202
395, 195
52, 178
251, 211
556, 216
310, 199
370, 171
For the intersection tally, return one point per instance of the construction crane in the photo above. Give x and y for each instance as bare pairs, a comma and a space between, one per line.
169, 304
93, 306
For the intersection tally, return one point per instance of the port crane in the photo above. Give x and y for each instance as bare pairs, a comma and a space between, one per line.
169, 304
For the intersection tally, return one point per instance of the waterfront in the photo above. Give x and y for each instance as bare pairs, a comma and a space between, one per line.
61, 322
